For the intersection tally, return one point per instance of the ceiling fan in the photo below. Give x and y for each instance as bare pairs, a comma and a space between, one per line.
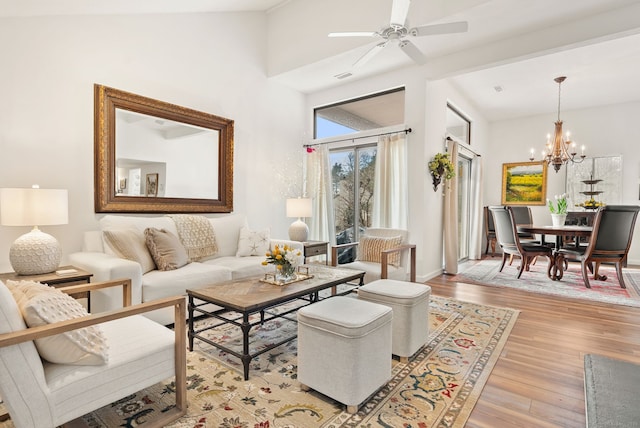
398, 32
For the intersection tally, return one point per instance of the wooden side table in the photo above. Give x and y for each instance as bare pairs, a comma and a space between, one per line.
316, 248
73, 276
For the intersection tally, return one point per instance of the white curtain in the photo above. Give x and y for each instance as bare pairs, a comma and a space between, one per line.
319, 189
451, 214
390, 201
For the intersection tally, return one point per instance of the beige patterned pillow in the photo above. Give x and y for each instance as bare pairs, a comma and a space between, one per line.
130, 244
253, 242
370, 249
42, 305
166, 249
197, 236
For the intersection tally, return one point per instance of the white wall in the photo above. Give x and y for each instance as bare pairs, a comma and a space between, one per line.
49, 66
608, 130
438, 93
425, 110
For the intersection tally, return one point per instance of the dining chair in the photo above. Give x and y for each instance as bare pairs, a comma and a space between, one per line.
522, 215
609, 243
489, 231
510, 243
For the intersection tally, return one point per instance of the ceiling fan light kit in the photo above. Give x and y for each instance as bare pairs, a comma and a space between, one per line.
397, 31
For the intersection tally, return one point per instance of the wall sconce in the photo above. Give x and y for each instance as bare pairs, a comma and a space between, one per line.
35, 252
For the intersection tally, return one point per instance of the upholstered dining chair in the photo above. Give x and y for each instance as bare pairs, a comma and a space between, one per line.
489, 231
509, 241
383, 253
522, 215
609, 243
43, 394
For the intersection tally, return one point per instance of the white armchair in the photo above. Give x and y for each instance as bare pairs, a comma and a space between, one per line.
141, 353
383, 254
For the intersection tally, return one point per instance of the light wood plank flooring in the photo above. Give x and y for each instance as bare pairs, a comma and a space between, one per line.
538, 380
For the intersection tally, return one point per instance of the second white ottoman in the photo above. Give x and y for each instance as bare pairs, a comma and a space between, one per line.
410, 304
344, 348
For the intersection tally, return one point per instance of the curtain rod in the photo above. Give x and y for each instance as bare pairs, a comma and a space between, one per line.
465, 146
406, 131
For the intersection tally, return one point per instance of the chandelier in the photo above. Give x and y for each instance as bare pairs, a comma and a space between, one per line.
561, 149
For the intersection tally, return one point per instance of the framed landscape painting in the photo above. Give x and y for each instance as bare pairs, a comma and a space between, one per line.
524, 183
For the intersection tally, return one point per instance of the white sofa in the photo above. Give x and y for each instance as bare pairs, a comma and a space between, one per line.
96, 257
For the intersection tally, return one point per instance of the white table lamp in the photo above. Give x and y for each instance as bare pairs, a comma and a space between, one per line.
300, 208
35, 252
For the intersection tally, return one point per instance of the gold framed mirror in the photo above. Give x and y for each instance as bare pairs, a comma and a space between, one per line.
156, 157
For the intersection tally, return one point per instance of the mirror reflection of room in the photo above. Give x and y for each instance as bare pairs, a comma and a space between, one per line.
149, 146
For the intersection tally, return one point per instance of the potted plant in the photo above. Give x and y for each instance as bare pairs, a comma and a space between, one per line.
558, 210
441, 168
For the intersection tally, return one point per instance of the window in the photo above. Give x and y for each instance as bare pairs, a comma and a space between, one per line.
360, 114
458, 126
353, 160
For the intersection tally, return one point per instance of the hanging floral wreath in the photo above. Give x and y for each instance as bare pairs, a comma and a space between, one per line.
441, 168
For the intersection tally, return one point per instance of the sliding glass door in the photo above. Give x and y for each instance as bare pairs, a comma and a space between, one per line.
352, 174
464, 206
459, 129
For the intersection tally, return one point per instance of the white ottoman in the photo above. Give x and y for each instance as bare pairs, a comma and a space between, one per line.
344, 349
410, 304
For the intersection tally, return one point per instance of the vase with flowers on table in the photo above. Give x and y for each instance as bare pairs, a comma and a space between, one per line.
558, 210
285, 260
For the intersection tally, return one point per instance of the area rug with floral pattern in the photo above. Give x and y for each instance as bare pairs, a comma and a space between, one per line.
486, 272
438, 387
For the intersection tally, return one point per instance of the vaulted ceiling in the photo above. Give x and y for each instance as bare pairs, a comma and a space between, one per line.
505, 63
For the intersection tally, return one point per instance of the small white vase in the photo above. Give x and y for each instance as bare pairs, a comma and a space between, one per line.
558, 220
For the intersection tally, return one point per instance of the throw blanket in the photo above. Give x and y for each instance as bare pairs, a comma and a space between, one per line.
196, 234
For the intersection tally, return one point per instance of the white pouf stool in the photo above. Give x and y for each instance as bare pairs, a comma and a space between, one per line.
410, 304
344, 349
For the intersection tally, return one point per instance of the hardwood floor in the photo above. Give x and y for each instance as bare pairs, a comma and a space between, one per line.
538, 380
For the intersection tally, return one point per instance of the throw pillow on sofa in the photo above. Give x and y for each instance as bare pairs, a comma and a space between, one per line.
197, 236
253, 242
42, 305
370, 249
130, 244
166, 249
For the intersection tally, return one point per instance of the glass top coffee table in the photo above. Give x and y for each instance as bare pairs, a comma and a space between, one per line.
253, 295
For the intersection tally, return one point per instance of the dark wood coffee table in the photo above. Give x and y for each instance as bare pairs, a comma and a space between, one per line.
251, 296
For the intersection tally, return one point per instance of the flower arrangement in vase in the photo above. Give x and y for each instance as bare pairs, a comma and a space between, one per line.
285, 260
558, 210
441, 168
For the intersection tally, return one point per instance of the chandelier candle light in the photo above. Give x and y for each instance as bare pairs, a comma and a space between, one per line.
561, 149
35, 252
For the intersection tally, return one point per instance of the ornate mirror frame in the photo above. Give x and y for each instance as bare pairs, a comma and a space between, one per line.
106, 101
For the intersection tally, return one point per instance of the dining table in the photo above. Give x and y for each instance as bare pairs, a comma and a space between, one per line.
555, 270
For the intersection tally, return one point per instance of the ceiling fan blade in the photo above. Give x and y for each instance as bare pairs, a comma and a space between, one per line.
354, 34
412, 52
399, 11
429, 30
369, 54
